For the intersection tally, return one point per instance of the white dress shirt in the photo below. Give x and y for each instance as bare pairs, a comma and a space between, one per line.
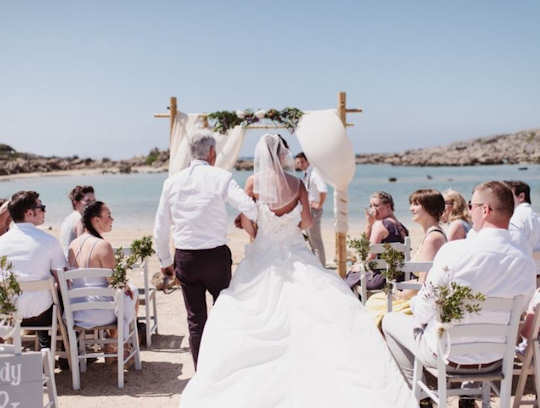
68, 230
33, 253
525, 222
193, 204
489, 263
315, 184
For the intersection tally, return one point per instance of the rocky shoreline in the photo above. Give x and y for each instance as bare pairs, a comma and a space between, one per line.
513, 148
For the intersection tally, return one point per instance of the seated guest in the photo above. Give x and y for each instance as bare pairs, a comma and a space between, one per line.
91, 250
488, 263
34, 254
525, 329
381, 226
524, 225
427, 207
72, 227
456, 216
5, 218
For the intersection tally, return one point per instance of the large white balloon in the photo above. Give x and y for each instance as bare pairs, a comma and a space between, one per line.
327, 147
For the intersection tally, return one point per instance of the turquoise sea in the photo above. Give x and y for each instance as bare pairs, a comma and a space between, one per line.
134, 198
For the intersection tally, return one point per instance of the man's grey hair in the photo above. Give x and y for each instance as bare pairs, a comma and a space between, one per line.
201, 142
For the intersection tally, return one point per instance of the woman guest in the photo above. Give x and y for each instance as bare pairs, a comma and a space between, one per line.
427, 207
72, 226
90, 250
456, 216
382, 226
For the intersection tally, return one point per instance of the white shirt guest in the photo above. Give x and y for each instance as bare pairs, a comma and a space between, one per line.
71, 226
524, 221
316, 187
488, 262
193, 205
33, 252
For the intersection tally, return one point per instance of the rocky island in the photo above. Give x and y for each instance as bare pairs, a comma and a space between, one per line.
512, 148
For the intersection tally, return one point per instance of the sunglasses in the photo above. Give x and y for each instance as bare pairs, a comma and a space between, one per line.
41, 207
472, 205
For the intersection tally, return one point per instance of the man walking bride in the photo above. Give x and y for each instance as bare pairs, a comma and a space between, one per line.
286, 332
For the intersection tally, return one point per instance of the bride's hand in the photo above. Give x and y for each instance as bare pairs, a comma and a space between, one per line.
238, 221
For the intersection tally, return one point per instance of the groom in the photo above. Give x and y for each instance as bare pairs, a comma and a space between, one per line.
193, 204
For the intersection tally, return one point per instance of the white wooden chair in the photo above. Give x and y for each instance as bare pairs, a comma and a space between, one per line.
377, 249
56, 323
483, 333
13, 332
116, 303
530, 364
409, 268
146, 297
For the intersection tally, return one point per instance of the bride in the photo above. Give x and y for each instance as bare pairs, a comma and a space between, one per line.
287, 333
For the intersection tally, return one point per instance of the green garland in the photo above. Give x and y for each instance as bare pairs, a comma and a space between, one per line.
222, 121
140, 250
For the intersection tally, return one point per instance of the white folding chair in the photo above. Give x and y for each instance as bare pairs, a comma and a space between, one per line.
116, 304
146, 297
408, 269
377, 249
530, 364
484, 335
13, 333
56, 322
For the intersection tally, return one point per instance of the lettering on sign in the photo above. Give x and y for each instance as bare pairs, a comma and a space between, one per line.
21, 383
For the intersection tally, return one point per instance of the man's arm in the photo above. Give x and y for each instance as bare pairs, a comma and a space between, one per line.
162, 230
238, 199
318, 181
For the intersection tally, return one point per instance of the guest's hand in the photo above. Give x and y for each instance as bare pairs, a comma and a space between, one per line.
168, 271
370, 216
238, 221
316, 206
128, 292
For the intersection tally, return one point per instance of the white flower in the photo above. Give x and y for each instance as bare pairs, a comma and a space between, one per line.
241, 114
260, 114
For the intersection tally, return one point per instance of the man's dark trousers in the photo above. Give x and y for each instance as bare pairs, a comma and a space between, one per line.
201, 270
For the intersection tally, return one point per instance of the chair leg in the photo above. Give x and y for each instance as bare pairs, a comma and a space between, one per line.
54, 330
82, 350
135, 345
526, 364
417, 376
147, 318
441, 390
486, 388
154, 304
48, 369
75, 375
120, 359
536, 367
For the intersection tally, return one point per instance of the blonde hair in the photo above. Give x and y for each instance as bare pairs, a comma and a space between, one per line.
460, 211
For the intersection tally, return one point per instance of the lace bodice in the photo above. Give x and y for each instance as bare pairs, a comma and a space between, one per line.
282, 228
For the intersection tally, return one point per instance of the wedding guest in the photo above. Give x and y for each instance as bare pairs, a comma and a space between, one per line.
382, 226
91, 250
5, 218
34, 255
456, 216
427, 206
72, 226
524, 221
317, 191
192, 203
488, 263
526, 327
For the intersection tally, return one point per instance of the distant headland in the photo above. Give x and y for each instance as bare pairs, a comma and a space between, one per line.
511, 148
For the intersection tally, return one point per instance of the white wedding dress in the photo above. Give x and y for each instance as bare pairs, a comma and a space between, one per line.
289, 334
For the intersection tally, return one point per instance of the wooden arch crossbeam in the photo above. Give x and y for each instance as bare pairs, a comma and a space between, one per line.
342, 110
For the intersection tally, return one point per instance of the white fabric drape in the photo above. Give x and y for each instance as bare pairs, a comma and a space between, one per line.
227, 146
327, 147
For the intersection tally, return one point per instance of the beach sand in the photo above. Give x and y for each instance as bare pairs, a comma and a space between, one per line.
167, 367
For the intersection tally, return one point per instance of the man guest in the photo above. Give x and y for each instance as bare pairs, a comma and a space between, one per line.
317, 192
192, 204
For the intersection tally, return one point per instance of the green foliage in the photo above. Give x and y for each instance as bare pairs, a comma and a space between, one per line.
9, 288
140, 250
394, 262
453, 301
222, 121
152, 156
361, 246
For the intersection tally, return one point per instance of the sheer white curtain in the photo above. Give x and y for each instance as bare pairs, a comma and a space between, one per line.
227, 146
324, 141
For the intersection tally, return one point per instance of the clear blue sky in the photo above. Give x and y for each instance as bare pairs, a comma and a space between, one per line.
85, 77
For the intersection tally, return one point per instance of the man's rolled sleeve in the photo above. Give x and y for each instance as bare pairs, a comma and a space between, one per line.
237, 198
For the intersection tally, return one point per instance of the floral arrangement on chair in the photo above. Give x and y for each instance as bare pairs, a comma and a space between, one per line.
362, 246
9, 288
222, 121
394, 262
140, 250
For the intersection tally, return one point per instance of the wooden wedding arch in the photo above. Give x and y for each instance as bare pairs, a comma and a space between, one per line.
342, 110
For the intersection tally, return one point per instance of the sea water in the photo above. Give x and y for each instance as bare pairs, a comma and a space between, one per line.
133, 198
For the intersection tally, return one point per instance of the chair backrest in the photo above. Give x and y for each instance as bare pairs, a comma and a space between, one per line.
405, 248
40, 286
475, 336
10, 327
102, 298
